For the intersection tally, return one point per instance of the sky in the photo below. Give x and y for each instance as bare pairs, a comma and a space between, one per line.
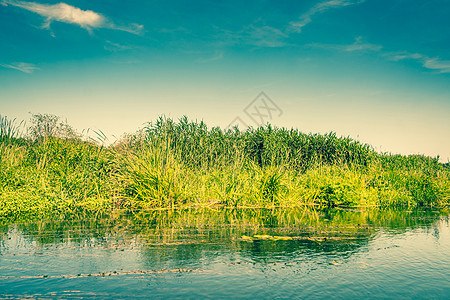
377, 71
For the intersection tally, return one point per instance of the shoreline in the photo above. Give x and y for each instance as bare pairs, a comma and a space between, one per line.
186, 164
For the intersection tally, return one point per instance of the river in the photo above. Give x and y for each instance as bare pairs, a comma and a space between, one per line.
192, 254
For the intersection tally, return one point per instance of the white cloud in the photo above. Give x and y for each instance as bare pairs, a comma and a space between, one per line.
259, 36
265, 36
21, 66
66, 13
115, 47
358, 45
306, 18
443, 66
397, 57
132, 28
217, 56
431, 63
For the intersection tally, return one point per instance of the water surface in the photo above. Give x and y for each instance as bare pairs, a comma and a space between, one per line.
220, 254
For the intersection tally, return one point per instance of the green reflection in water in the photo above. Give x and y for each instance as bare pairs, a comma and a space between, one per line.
324, 231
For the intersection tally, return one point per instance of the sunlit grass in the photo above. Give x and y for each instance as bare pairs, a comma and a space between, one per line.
53, 170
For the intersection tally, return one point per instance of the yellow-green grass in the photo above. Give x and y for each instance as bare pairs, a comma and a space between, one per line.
54, 172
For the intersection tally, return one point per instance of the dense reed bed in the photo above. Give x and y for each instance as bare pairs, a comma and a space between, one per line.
49, 169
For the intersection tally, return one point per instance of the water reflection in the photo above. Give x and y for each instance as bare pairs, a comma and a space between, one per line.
326, 231
234, 246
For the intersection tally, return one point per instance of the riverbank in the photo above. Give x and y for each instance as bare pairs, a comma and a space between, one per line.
54, 171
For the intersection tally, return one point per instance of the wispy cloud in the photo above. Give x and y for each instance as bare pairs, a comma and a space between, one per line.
265, 36
21, 66
358, 45
254, 35
431, 63
115, 47
217, 56
443, 66
66, 13
319, 8
397, 57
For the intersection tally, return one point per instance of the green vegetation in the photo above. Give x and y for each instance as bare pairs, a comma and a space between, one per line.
330, 231
171, 226
53, 171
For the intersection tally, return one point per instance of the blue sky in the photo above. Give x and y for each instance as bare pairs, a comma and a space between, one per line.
375, 70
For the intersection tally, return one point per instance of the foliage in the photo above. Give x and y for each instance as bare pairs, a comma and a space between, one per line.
184, 164
265, 146
9, 130
54, 175
47, 126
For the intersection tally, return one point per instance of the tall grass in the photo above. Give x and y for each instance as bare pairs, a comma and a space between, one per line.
203, 147
170, 164
270, 166
9, 130
54, 175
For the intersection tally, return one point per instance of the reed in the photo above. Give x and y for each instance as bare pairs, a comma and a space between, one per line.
184, 164
10, 130
203, 147
275, 167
